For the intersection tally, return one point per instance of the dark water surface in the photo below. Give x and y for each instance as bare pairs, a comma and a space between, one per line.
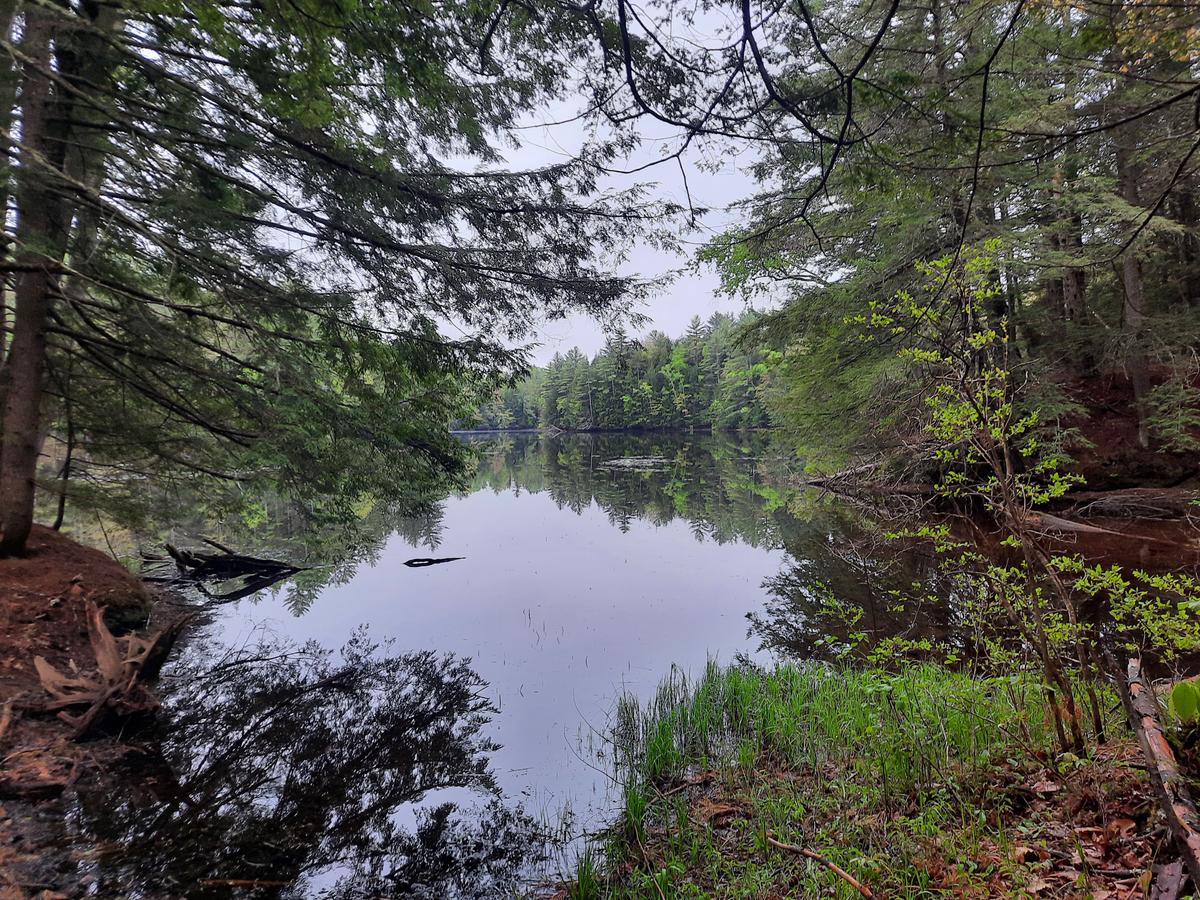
376, 729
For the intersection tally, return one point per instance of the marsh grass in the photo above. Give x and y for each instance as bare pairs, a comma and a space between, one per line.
912, 730
887, 774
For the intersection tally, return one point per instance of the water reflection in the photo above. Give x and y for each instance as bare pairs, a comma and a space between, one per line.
289, 771
724, 486
841, 581
585, 566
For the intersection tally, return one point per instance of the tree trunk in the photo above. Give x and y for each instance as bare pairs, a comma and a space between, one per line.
43, 232
1070, 242
1074, 277
42, 227
1188, 215
8, 94
1134, 311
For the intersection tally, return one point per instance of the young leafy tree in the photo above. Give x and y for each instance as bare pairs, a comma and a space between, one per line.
242, 229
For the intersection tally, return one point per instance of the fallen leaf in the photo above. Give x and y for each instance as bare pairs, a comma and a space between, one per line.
707, 811
1120, 827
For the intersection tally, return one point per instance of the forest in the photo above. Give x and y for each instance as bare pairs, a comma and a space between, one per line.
226, 265
933, 578
706, 378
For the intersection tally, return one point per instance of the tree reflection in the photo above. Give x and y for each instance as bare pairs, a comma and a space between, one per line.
288, 772
725, 486
842, 582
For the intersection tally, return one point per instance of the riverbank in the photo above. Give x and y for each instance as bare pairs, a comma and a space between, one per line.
45, 603
808, 781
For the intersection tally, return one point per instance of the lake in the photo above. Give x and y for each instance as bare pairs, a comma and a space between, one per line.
375, 728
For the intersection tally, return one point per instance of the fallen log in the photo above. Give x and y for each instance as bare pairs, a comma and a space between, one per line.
1141, 706
225, 565
1050, 522
1135, 503
200, 566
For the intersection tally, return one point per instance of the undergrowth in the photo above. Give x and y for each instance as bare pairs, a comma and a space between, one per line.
925, 783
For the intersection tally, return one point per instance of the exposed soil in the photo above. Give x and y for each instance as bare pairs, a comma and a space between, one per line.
42, 605
43, 612
1114, 458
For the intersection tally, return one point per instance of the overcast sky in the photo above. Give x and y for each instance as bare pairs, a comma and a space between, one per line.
714, 183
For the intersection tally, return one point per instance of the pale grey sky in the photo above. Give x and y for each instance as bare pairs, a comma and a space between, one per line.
713, 182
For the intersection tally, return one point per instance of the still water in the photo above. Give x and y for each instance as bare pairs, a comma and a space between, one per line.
380, 729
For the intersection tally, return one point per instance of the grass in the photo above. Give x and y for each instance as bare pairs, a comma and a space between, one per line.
926, 783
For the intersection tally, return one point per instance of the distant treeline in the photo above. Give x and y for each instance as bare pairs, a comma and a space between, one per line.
704, 379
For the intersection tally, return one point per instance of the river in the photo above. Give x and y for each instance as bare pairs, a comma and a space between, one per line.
381, 729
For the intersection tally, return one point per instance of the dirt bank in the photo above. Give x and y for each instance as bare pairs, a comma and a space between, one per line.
43, 612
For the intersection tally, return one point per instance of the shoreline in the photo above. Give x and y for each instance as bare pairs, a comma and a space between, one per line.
45, 602
820, 782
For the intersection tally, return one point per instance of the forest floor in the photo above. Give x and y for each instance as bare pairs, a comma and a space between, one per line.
1107, 450
43, 613
798, 783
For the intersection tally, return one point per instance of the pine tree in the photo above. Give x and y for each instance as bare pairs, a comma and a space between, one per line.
237, 229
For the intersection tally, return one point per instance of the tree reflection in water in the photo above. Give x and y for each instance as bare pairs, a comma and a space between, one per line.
749, 488
289, 771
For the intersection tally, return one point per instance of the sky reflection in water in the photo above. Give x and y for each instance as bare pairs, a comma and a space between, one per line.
591, 566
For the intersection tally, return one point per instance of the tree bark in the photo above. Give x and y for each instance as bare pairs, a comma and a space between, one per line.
1173, 797
1074, 277
1134, 310
8, 94
42, 227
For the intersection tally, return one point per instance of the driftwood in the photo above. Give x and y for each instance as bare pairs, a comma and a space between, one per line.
1141, 706
827, 863
117, 687
422, 561
200, 566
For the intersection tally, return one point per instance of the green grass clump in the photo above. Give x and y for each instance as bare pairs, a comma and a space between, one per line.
914, 728
882, 773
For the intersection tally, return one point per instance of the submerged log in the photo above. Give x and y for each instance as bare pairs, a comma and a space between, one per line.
256, 573
421, 561
225, 564
1141, 706
1136, 503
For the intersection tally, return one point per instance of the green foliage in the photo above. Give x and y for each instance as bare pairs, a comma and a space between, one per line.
869, 769
1059, 173
1157, 613
1175, 412
1184, 702
587, 884
709, 378
285, 203
813, 715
